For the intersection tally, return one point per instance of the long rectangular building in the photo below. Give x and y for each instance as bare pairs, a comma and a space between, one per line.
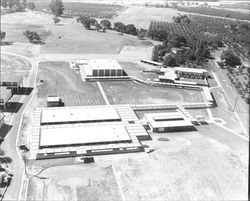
86, 130
100, 68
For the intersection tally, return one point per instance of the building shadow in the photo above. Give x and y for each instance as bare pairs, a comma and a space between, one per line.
11, 107
22, 91
4, 130
214, 102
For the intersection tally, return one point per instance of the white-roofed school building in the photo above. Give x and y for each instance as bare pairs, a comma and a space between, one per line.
100, 68
85, 130
168, 122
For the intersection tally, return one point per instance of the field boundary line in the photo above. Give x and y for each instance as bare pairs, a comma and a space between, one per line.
119, 186
103, 93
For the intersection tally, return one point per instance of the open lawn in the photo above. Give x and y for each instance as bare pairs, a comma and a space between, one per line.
14, 32
59, 79
75, 182
129, 92
74, 38
142, 16
67, 37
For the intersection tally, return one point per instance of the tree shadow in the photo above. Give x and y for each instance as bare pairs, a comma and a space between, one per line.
4, 131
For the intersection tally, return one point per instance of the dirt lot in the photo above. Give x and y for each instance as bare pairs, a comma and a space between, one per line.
129, 92
210, 164
74, 182
60, 80
15, 65
142, 16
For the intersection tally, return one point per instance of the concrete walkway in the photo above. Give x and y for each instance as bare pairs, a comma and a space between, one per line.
103, 93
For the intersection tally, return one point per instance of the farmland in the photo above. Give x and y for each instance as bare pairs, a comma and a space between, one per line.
129, 92
212, 31
73, 93
215, 12
141, 16
73, 9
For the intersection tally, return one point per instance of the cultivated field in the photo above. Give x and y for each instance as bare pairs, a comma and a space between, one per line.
142, 16
59, 79
129, 92
74, 182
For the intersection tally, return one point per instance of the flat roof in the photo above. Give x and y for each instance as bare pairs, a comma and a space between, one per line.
83, 135
193, 70
53, 99
104, 64
172, 119
79, 114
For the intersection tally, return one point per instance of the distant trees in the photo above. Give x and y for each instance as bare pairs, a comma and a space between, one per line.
120, 27
141, 33
159, 34
181, 19
32, 36
106, 24
130, 29
230, 58
5, 177
57, 8
170, 61
86, 21
31, 5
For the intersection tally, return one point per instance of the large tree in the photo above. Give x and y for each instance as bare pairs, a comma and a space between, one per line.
106, 24
119, 26
32, 36
130, 29
57, 8
230, 58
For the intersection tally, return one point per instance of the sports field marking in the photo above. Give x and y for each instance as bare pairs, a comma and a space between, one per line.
103, 93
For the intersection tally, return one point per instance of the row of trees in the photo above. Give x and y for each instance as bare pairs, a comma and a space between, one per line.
105, 24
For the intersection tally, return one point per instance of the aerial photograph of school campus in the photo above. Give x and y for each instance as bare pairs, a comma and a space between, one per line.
124, 100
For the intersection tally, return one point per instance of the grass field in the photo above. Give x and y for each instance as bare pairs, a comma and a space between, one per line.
74, 182
67, 84
129, 92
142, 16
73, 38
14, 32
